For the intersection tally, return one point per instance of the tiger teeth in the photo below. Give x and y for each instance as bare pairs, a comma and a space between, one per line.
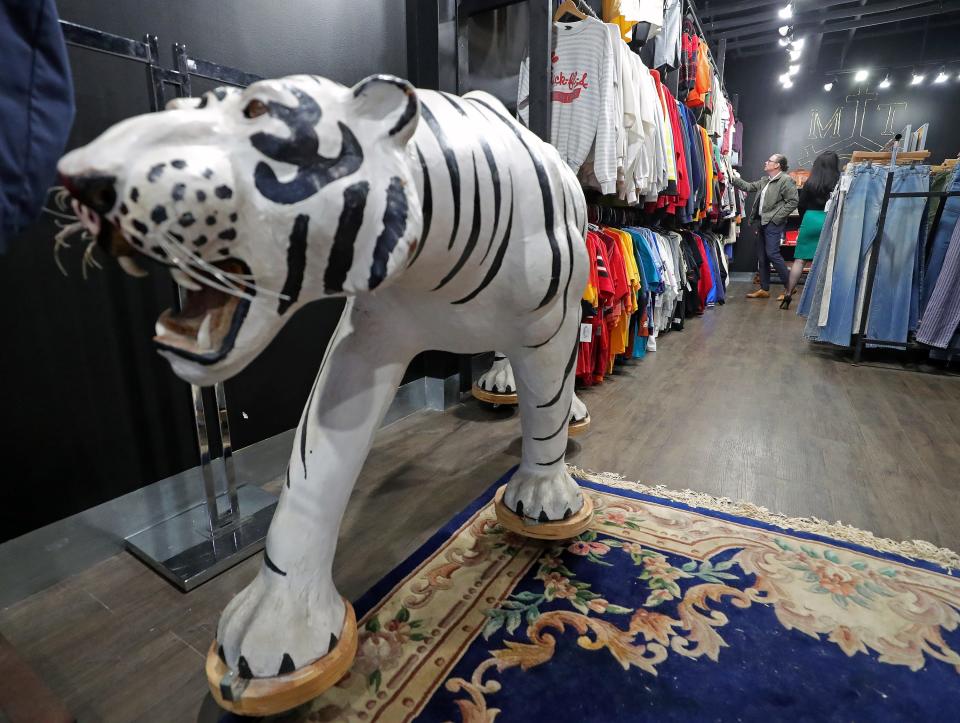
159, 329
203, 336
131, 267
185, 281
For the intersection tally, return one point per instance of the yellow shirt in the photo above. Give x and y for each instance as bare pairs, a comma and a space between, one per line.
619, 13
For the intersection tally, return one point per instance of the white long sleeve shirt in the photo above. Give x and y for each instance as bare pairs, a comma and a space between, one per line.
583, 108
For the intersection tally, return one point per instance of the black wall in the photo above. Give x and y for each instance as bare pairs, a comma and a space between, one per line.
90, 411
805, 120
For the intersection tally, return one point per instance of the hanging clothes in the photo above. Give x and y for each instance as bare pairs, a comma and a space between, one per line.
582, 107
842, 263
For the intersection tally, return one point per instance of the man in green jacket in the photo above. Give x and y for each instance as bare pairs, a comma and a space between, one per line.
775, 202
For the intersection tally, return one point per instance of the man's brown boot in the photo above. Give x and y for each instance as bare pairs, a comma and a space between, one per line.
759, 294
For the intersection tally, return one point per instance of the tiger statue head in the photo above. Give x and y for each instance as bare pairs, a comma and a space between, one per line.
257, 201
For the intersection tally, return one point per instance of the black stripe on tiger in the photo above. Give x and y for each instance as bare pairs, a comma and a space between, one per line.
474, 233
566, 376
450, 158
547, 464
271, 565
494, 174
341, 254
296, 263
394, 226
498, 257
564, 423
566, 288
427, 206
303, 427
547, 196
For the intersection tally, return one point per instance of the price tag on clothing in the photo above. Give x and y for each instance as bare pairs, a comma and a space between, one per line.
586, 332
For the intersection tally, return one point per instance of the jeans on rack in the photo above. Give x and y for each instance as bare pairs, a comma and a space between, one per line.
770, 236
813, 287
858, 221
894, 288
941, 241
942, 316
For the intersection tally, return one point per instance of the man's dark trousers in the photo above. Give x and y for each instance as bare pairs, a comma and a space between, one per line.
770, 235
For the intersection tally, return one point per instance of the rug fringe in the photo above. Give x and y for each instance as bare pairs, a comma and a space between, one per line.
912, 549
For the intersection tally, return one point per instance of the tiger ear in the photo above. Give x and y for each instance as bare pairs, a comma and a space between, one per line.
392, 100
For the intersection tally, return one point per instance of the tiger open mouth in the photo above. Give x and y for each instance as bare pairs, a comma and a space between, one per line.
205, 328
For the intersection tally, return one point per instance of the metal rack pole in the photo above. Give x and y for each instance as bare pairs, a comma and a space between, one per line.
540, 27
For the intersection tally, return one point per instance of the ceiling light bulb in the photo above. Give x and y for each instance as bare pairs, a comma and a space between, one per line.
784, 42
942, 77
795, 55
793, 69
784, 30
917, 79
885, 83
798, 44
785, 78
786, 12
788, 83
860, 76
828, 86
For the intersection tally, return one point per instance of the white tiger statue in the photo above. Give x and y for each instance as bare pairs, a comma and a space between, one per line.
445, 223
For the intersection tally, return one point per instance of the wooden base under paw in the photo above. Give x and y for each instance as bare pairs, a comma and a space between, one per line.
560, 530
267, 696
579, 427
494, 397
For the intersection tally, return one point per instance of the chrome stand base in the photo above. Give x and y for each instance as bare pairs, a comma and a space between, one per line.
185, 551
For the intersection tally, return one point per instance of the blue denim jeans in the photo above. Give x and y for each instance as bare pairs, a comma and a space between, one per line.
896, 281
858, 221
813, 288
894, 301
941, 241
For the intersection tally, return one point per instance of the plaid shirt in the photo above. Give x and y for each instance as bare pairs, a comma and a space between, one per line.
689, 49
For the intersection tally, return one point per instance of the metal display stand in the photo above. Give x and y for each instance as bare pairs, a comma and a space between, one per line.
860, 338
196, 545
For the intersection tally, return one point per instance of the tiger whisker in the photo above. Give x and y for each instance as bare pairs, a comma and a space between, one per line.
89, 260
60, 241
238, 281
173, 248
58, 215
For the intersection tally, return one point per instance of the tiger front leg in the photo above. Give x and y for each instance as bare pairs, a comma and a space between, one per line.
291, 614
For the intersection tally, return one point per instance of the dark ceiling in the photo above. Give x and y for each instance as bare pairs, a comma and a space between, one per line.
839, 32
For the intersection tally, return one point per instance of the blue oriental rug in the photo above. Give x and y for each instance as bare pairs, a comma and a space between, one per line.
661, 612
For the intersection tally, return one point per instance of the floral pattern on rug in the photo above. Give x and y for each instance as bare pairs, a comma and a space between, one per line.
657, 611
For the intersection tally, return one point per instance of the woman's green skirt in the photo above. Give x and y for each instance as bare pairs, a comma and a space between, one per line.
809, 234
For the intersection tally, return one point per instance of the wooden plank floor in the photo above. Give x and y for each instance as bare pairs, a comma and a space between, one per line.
736, 405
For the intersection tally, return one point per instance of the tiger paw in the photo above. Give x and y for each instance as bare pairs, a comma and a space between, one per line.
272, 627
543, 496
578, 410
498, 378
546, 493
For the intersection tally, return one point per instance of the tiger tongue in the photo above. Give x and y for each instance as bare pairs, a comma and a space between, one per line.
201, 301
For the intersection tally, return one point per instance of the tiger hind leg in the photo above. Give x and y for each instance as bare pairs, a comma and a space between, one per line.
541, 489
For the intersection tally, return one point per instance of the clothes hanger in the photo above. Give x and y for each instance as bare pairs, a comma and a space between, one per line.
568, 7
586, 8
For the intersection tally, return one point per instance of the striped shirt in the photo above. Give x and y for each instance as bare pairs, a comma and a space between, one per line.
583, 115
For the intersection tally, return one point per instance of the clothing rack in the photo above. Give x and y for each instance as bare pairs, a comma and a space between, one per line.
198, 544
860, 338
886, 156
